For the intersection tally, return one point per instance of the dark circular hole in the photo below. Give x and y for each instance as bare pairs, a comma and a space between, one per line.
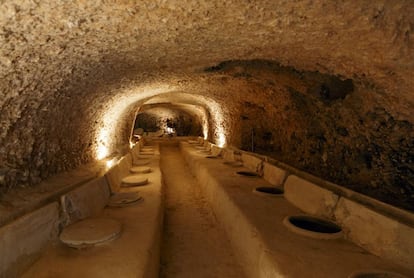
270, 190
248, 173
314, 224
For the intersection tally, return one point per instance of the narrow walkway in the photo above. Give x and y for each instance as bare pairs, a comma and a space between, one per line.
194, 244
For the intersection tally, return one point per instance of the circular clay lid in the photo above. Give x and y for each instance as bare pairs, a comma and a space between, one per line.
141, 162
134, 180
140, 169
90, 231
123, 199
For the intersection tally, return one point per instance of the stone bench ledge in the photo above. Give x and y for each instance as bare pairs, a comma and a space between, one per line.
262, 242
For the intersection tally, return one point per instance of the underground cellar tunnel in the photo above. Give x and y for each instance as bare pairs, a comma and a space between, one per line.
314, 97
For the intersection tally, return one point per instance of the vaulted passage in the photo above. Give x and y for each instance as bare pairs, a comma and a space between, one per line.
321, 90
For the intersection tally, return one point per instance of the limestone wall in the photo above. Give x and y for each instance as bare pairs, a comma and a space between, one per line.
73, 74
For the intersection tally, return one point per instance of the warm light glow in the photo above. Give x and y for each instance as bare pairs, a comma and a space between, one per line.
218, 120
105, 134
110, 163
102, 152
221, 140
131, 144
102, 149
115, 111
169, 130
205, 133
205, 126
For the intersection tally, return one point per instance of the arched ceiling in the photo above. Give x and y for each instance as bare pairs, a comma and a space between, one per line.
195, 111
59, 40
88, 66
186, 119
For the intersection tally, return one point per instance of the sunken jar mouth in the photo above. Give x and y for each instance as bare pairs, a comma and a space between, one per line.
247, 173
268, 191
313, 227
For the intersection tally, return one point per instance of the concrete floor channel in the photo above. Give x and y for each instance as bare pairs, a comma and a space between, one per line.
168, 210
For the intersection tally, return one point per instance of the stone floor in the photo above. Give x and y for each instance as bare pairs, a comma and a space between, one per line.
194, 244
214, 226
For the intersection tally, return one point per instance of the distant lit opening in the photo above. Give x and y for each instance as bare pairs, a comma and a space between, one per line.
169, 130
166, 119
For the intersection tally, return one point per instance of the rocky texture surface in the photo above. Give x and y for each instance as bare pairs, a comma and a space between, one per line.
184, 120
342, 130
72, 75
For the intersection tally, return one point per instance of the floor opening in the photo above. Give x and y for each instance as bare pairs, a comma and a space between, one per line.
267, 190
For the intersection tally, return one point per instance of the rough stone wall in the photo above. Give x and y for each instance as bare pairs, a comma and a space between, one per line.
344, 131
64, 66
154, 119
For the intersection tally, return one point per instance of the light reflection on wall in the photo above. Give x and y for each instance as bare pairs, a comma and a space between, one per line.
217, 114
105, 133
106, 129
214, 114
102, 144
111, 162
205, 129
221, 140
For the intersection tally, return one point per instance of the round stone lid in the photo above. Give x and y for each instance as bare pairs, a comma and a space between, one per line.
134, 180
140, 169
123, 199
90, 231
